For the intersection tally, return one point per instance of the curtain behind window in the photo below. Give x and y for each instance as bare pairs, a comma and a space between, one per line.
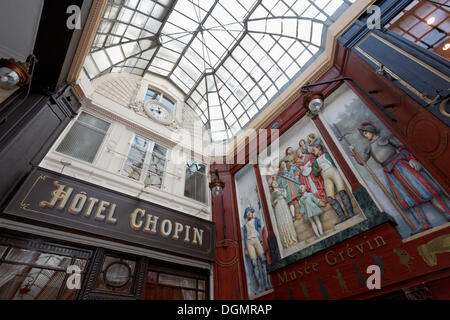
84, 138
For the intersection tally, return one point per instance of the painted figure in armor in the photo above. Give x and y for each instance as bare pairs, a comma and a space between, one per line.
253, 239
325, 166
404, 174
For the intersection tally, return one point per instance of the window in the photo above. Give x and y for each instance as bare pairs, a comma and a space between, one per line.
425, 24
195, 183
156, 168
246, 53
155, 95
165, 286
117, 275
140, 159
30, 274
84, 138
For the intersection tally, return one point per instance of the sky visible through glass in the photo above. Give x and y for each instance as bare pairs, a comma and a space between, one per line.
229, 57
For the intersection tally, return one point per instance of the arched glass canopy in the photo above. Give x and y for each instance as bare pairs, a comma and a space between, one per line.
230, 57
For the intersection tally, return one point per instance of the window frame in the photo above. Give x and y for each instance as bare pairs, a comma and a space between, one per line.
146, 163
206, 203
162, 95
410, 11
101, 146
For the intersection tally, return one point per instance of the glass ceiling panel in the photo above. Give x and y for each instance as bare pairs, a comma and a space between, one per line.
230, 57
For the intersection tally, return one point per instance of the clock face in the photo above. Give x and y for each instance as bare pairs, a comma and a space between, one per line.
158, 111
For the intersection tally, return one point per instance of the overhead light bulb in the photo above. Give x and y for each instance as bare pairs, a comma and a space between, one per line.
315, 105
8, 78
446, 46
314, 101
13, 73
431, 20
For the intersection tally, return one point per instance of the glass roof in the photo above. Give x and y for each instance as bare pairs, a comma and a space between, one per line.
230, 57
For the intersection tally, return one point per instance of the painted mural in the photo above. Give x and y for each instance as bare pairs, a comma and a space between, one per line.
309, 198
254, 233
400, 184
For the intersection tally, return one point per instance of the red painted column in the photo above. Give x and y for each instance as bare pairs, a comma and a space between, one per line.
229, 272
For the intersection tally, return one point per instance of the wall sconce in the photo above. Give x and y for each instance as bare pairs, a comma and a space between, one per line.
314, 101
16, 74
216, 186
380, 71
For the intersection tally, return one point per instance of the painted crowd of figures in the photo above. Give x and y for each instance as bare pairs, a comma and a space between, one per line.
307, 180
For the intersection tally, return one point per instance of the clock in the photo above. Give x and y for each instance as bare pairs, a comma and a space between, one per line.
158, 111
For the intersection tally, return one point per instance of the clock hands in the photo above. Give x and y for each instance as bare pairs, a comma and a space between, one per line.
159, 110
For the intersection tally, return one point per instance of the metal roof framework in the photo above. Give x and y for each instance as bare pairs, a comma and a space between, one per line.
231, 58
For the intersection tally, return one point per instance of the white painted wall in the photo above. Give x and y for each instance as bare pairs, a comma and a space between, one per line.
112, 98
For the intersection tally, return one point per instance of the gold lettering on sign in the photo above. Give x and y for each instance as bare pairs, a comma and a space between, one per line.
103, 211
380, 241
282, 278
60, 195
101, 208
198, 237
333, 260
166, 228
134, 224
77, 204
91, 204
178, 228
110, 218
152, 221
186, 238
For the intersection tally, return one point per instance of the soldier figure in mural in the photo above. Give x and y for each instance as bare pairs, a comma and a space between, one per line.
404, 173
253, 237
306, 177
314, 140
325, 166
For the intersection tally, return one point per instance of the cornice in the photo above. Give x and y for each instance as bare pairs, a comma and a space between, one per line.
89, 30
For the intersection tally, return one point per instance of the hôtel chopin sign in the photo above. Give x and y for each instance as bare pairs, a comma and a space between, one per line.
59, 200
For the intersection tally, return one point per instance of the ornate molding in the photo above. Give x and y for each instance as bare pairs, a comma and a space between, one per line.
93, 272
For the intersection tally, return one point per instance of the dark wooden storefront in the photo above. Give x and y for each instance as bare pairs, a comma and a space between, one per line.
35, 268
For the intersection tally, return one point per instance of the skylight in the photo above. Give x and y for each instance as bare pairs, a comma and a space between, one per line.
230, 57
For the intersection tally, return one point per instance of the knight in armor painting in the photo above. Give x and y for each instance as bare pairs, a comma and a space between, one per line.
406, 179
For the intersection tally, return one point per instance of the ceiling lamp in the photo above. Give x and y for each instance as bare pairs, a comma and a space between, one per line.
313, 101
14, 73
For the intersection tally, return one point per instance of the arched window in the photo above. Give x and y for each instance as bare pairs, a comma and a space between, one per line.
161, 97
